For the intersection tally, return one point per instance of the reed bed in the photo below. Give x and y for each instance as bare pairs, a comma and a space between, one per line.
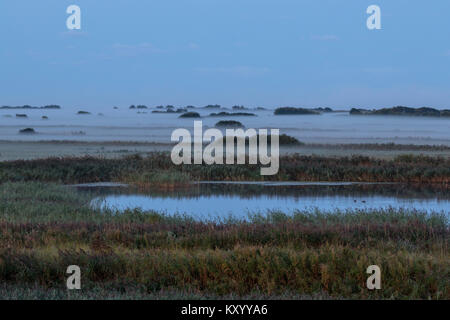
158, 168
45, 227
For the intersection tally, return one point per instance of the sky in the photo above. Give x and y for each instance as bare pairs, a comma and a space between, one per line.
308, 53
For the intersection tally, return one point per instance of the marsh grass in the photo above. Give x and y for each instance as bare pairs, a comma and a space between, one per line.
159, 179
46, 227
336, 270
126, 291
158, 167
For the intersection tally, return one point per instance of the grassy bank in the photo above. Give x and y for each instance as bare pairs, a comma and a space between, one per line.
22, 150
159, 167
45, 227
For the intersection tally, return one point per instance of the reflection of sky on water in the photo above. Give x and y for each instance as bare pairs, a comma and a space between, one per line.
236, 206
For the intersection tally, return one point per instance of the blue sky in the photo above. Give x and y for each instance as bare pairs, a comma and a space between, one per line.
247, 52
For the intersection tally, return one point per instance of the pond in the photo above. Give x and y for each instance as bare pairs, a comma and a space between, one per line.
212, 200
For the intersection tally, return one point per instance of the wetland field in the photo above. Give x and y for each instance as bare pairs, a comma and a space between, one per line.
207, 151
99, 190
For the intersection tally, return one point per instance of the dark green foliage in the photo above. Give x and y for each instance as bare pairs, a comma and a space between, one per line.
293, 111
403, 111
27, 130
322, 109
30, 107
229, 124
190, 115
284, 139
232, 114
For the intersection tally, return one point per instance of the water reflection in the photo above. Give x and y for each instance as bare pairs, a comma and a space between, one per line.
212, 200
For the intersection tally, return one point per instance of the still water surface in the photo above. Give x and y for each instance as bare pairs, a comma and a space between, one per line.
207, 201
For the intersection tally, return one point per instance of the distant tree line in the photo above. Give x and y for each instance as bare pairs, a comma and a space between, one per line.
403, 111
52, 106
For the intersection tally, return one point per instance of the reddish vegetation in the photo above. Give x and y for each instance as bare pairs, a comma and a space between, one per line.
411, 169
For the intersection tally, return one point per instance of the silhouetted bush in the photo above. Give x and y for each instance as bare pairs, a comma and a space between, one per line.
27, 130
190, 115
229, 124
291, 110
